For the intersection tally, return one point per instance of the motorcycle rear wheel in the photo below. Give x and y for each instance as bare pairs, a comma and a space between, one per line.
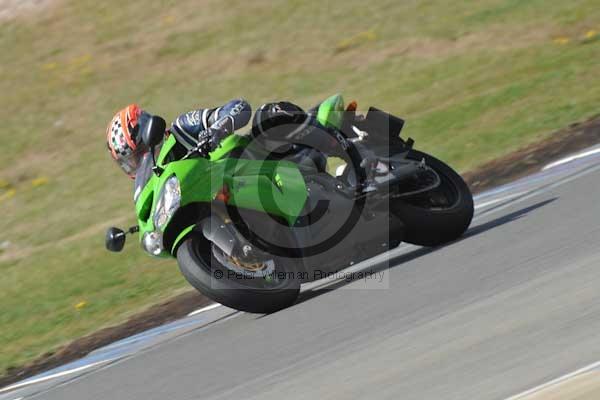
438, 216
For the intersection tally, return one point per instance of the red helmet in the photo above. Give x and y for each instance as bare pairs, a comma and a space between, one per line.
123, 139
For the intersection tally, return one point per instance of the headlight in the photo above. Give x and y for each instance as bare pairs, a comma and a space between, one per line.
152, 243
168, 203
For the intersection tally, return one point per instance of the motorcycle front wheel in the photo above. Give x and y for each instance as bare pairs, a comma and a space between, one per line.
254, 288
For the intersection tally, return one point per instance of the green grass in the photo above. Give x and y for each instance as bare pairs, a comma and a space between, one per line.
474, 80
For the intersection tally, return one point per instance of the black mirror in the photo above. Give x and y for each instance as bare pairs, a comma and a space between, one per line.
153, 131
115, 239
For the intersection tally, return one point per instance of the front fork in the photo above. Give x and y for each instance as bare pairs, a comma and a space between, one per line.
219, 229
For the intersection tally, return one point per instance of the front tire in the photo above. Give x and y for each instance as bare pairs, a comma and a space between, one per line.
200, 267
438, 216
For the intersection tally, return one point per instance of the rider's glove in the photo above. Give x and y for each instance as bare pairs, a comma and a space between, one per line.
210, 139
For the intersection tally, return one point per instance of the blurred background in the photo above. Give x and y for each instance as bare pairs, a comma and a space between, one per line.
474, 80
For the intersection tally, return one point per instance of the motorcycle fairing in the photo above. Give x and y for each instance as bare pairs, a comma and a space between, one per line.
274, 187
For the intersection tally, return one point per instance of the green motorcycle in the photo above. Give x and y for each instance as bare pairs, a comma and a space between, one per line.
249, 224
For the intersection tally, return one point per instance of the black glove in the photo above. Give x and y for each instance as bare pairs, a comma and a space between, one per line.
210, 139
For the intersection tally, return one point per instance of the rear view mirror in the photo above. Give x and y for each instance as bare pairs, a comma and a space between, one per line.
115, 239
153, 131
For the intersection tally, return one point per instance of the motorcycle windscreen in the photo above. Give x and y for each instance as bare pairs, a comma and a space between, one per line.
143, 175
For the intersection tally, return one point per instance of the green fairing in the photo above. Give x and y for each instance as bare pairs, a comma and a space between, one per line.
274, 187
331, 112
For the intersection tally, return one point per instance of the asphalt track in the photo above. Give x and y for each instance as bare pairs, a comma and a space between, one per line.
512, 305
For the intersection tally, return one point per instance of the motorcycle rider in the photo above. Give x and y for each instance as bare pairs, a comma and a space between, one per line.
277, 122
125, 143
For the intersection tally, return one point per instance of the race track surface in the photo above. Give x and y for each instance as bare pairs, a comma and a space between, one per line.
510, 306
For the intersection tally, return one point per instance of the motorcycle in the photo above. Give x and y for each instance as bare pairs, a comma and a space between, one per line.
248, 224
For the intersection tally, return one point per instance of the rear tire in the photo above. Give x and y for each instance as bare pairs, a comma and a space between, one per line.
429, 225
207, 275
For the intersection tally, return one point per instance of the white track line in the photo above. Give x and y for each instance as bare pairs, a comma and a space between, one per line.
84, 367
571, 158
207, 308
50, 377
556, 381
543, 189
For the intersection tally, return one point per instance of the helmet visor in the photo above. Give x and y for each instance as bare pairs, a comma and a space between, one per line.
131, 162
